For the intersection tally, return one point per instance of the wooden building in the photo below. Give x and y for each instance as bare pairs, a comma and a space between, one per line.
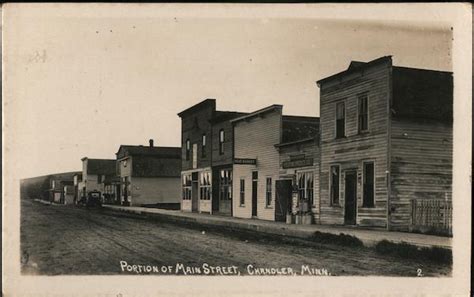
386, 146
261, 189
298, 184
149, 175
207, 155
94, 173
61, 188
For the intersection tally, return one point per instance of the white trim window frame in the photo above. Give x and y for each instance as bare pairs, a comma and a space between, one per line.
336, 118
364, 205
360, 97
332, 188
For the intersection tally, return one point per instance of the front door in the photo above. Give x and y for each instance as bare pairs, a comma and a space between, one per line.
254, 192
350, 204
283, 197
194, 197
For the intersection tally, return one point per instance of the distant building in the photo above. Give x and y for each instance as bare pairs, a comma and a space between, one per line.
61, 189
207, 157
149, 175
262, 188
94, 173
386, 147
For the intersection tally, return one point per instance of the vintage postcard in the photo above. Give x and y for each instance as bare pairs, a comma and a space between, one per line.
236, 149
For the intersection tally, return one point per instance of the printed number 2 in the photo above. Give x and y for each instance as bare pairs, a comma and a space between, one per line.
419, 272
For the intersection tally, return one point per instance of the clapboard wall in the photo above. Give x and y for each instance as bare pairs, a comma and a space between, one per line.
351, 151
255, 138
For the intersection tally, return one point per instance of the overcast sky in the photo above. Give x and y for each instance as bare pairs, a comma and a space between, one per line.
89, 84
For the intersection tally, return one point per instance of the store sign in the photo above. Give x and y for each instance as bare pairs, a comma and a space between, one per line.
298, 163
242, 161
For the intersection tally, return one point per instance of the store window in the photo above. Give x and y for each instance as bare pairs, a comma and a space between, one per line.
225, 184
334, 184
205, 186
305, 183
186, 186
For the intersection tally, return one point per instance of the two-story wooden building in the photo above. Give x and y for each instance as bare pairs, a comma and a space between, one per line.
386, 146
94, 173
149, 175
262, 189
207, 155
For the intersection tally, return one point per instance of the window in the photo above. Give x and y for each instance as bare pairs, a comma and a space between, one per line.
221, 141
186, 186
99, 178
305, 182
242, 191
335, 179
363, 113
269, 191
203, 152
188, 149
205, 186
340, 120
368, 189
225, 184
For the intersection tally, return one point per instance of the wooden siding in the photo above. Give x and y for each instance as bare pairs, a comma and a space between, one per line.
350, 152
255, 138
193, 126
310, 150
147, 190
421, 166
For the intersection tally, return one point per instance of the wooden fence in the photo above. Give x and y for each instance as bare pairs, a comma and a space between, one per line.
432, 216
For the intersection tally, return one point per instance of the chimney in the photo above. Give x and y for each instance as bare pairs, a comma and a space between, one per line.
151, 142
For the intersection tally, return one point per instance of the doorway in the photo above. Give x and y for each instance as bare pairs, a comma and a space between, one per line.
350, 199
283, 197
254, 192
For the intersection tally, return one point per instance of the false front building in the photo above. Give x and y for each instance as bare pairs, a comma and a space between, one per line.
262, 189
149, 175
207, 155
386, 146
94, 173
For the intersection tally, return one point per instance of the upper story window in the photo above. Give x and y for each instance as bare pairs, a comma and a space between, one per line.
363, 113
221, 141
188, 149
204, 142
340, 120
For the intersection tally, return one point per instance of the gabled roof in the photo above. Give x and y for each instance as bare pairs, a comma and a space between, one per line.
299, 128
140, 150
100, 166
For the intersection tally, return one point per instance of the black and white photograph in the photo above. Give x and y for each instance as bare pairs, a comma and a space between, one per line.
236, 149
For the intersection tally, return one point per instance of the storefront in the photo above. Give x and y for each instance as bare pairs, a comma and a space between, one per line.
298, 185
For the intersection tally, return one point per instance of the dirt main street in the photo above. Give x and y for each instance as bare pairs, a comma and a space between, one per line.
71, 240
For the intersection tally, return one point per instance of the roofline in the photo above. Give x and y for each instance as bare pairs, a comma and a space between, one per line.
295, 142
354, 70
296, 117
255, 113
422, 69
146, 146
197, 106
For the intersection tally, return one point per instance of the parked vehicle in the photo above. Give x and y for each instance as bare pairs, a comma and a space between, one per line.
94, 198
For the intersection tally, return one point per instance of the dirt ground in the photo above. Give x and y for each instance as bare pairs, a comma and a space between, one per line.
71, 240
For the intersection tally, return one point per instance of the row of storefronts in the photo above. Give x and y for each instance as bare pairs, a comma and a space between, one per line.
368, 160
